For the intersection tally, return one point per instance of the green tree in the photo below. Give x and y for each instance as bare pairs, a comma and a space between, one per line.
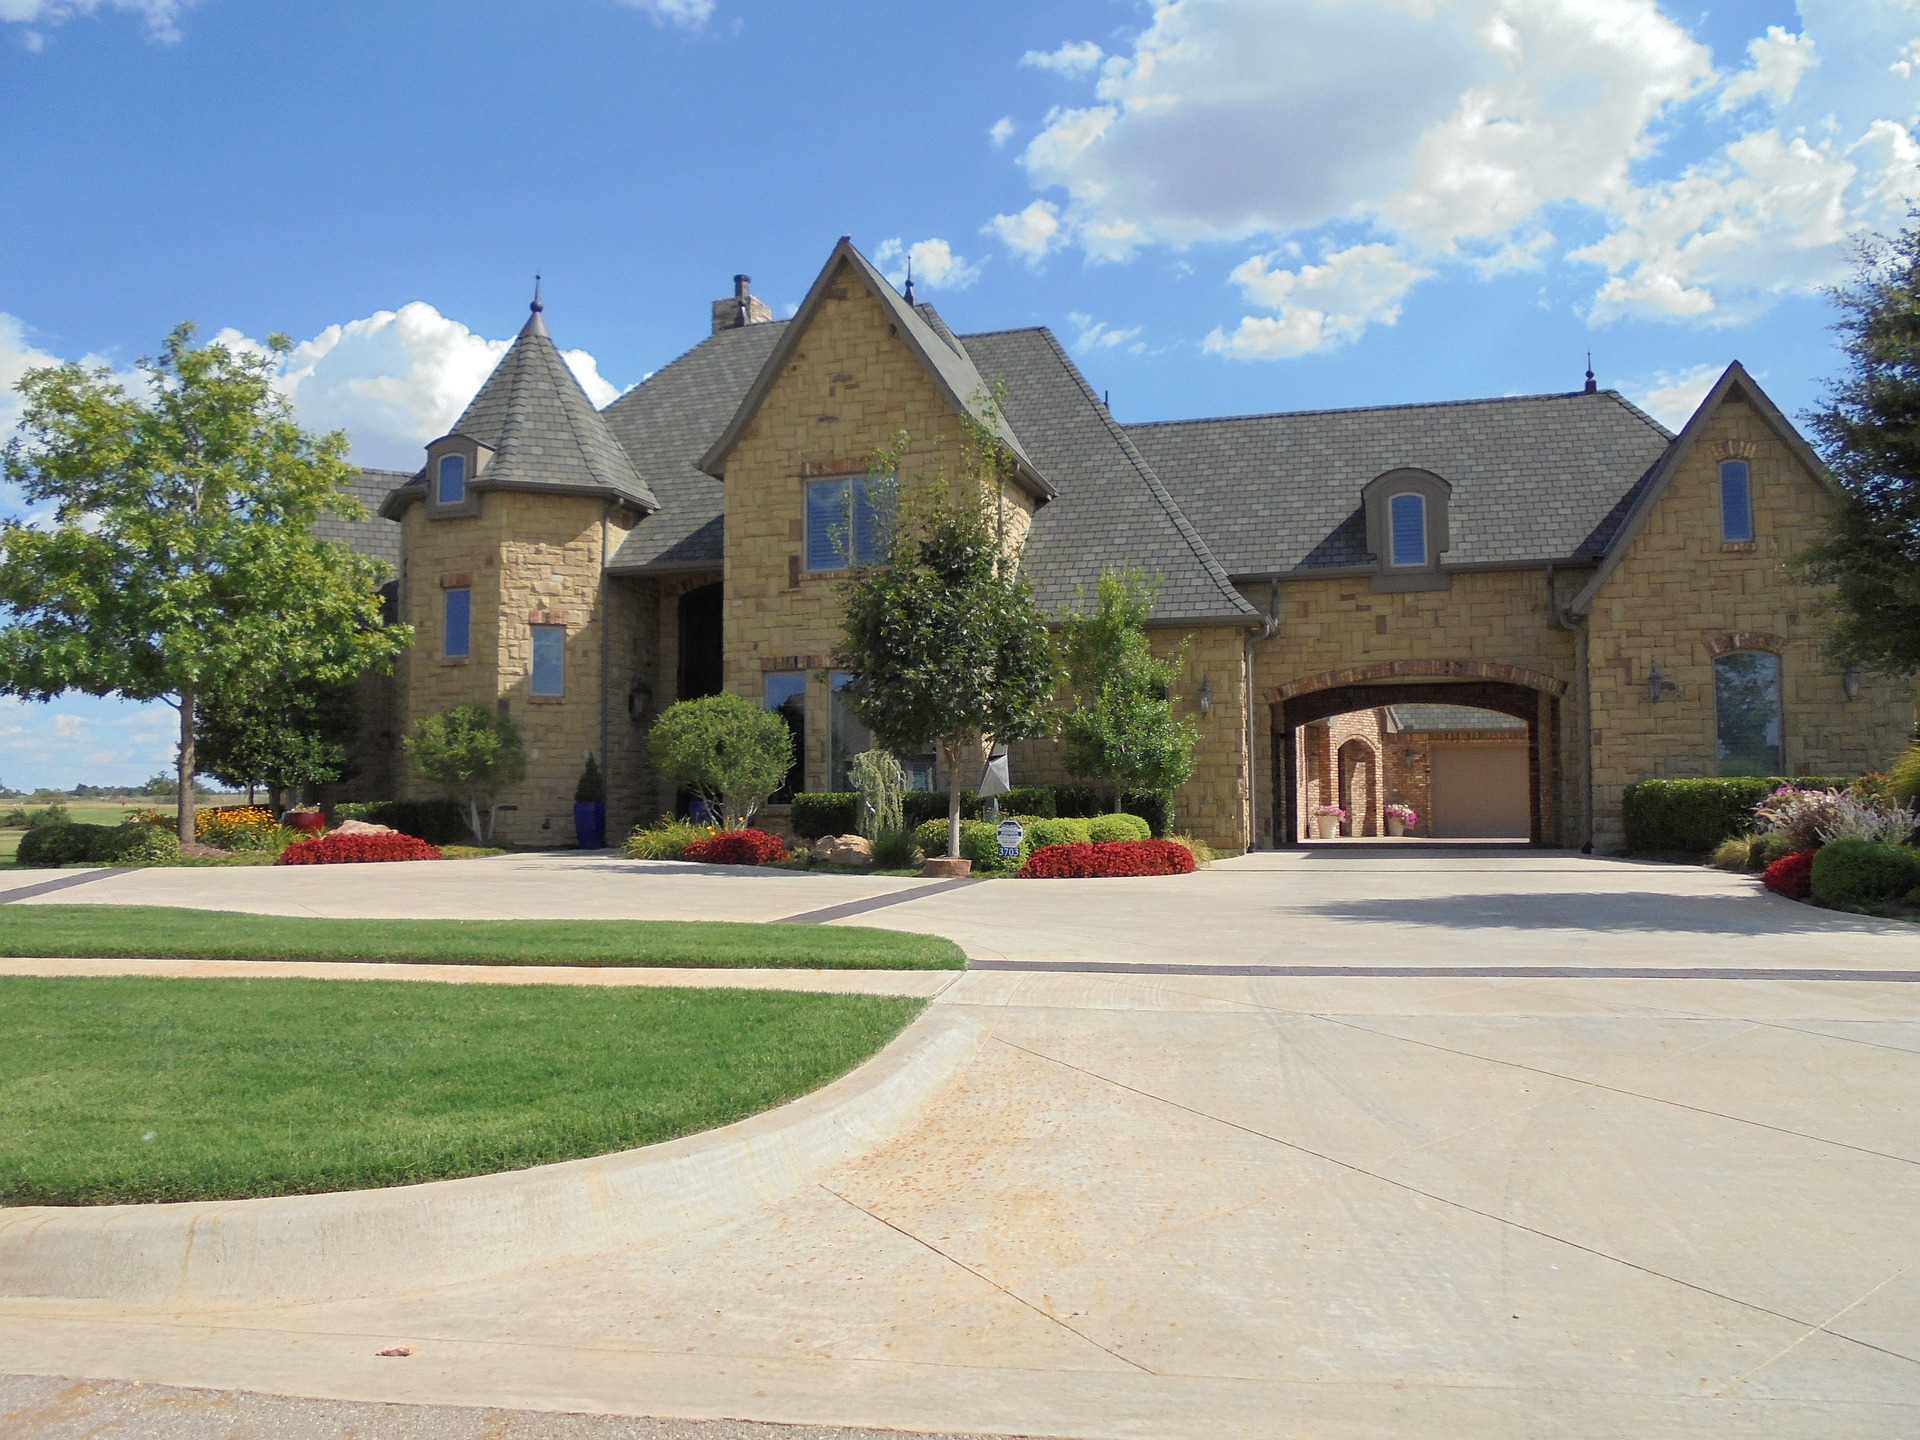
181, 554
727, 750
474, 753
284, 738
1121, 731
1869, 432
944, 642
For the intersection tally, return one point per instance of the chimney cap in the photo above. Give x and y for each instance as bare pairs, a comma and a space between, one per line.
742, 286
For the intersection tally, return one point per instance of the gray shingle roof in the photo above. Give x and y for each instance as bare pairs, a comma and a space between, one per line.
666, 424
1110, 510
1535, 478
1451, 717
373, 536
543, 430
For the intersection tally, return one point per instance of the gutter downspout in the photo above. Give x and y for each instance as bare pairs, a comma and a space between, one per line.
1268, 629
1567, 620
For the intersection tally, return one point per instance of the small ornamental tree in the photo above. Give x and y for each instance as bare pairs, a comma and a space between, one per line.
180, 555
727, 750
944, 642
1869, 433
285, 738
1121, 731
472, 751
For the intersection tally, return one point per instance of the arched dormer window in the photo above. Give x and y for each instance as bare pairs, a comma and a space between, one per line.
1407, 530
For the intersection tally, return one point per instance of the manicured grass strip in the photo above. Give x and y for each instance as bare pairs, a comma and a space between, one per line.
132, 1089
161, 932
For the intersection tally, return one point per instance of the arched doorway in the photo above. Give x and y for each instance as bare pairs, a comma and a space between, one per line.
1359, 770
1529, 696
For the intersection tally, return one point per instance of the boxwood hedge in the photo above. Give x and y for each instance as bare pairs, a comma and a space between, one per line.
1693, 816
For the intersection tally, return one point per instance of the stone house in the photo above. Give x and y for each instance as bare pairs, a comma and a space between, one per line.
1566, 585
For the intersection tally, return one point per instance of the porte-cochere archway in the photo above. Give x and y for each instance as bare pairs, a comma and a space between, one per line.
1528, 695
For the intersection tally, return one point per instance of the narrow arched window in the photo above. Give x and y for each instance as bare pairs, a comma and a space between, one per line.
1746, 695
1736, 501
1407, 523
453, 479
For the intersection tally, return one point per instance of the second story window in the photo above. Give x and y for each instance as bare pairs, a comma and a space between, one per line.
549, 677
1407, 522
452, 488
458, 632
844, 522
1736, 501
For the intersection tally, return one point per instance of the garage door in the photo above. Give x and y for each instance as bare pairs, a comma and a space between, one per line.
1480, 792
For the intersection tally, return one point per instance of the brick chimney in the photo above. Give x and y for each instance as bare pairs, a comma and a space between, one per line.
743, 307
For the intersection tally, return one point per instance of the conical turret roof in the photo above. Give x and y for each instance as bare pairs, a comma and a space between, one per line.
542, 428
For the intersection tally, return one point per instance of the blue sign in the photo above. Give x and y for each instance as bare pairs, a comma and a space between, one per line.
1010, 834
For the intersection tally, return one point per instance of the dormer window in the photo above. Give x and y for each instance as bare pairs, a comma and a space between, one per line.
1406, 515
451, 488
1736, 502
1407, 529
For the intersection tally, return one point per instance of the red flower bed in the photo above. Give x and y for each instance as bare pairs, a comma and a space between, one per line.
737, 847
1791, 875
1079, 861
338, 849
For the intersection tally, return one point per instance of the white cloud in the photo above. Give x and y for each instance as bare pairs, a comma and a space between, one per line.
1001, 131
69, 727
1098, 335
687, 14
1076, 57
1779, 60
934, 264
1031, 233
84, 739
1316, 307
161, 16
1672, 397
16, 358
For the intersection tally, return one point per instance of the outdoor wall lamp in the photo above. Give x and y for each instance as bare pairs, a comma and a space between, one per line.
1658, 686
1206, 696
1850, 682
639, 701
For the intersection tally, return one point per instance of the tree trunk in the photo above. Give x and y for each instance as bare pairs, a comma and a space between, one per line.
185, 767
953, 798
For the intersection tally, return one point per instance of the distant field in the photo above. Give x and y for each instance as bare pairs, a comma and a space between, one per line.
84, 812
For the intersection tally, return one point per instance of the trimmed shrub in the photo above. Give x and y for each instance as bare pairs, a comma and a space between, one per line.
1042, 833
438, 822
1791, 875
1081, 802
1102, 829
1693, 816
737, 847
1848, 874
338, 849
1112, 858
67, 844
824, 812
136, 845
666, 839
920, 806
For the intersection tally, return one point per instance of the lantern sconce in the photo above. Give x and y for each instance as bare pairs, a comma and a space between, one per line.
639, 701
1658, 686
1850, 682
1206, 696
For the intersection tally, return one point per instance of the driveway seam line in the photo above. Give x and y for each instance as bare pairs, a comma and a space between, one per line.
1452, 972
1411, 1189
65, 882
867, 906
987, 1279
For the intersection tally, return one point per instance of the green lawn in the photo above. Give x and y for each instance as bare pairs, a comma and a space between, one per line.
115, 1090
162, 932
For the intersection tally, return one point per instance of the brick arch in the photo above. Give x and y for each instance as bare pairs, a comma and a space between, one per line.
1391, 670
1747, 640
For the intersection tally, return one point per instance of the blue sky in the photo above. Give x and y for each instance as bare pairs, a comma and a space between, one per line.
1219, 205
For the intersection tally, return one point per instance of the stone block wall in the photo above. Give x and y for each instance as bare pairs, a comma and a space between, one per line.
1680, 595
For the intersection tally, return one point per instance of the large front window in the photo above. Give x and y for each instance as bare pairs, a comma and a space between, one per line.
848, 736
845, 521
549, 677
1746, 691
1407, 518
787, 698
453, 479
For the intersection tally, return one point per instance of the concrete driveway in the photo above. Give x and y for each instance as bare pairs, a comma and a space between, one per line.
1179, 1203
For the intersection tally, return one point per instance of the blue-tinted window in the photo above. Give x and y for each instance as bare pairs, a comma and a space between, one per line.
453, 479
458, 635
1736, 501
845, 516
1746, 693
549, 661
1407, 519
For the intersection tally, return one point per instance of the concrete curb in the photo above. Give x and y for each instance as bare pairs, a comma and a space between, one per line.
312, 1248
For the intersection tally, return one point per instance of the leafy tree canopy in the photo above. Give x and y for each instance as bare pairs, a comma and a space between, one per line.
1121, 731
285, 738
180, 556
944, 642
472, 751
1869, 433
727, 750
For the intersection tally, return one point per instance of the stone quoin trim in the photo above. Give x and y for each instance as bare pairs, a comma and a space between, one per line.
1418, 670
1747, 640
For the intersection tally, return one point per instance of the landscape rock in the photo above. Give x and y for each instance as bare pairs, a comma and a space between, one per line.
362, 827
843, 850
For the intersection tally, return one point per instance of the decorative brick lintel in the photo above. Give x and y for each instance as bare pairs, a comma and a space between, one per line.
1737, 449
1747, 640
1419, 670
809, 469
460, 580
771, 663
548, 617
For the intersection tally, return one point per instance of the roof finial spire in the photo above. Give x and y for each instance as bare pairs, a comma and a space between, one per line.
1591, 387
909, 295
536, 307
535, 325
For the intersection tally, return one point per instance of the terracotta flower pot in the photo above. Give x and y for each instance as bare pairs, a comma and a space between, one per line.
307, 822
